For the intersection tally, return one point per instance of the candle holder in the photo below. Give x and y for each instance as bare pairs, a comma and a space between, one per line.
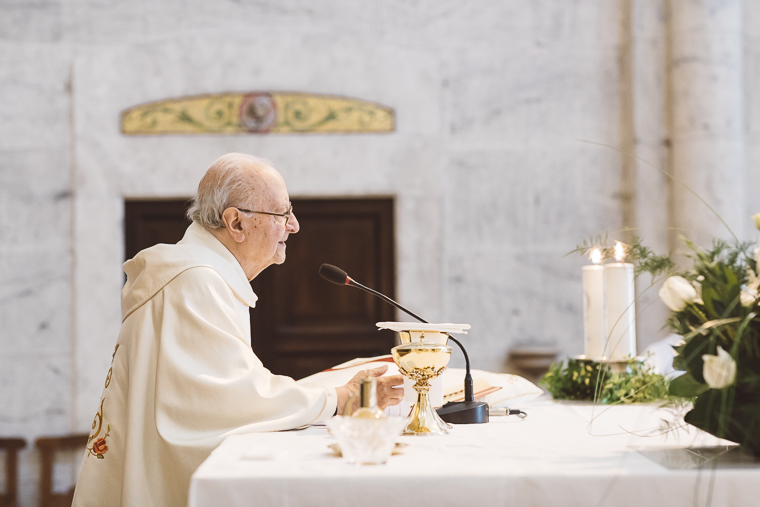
421, 362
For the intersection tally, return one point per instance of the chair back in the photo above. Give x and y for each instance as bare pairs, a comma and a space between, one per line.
11, 446
49, 447
530, 362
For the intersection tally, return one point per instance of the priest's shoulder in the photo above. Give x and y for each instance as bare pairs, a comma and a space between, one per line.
151, 269
163, 257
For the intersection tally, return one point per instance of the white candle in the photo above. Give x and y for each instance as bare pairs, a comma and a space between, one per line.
594, 329
621, 310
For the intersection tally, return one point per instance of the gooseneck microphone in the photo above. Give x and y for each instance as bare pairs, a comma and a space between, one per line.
468, 411
339, 277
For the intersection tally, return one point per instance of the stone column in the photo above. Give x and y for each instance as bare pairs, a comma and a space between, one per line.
645, 190
706, 118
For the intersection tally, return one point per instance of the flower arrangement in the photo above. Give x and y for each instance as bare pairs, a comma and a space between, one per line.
716, 309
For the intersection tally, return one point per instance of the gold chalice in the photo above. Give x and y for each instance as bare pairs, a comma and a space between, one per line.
421, 361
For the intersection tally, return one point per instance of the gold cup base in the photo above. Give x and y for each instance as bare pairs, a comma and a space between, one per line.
423, 419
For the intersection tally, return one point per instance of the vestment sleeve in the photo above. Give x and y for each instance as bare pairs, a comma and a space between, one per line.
209, 383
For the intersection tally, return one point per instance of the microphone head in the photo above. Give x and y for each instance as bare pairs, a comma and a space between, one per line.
333, 274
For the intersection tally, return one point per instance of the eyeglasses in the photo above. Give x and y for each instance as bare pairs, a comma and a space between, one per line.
286, 215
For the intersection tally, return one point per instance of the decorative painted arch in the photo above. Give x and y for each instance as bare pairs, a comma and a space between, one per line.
258, 113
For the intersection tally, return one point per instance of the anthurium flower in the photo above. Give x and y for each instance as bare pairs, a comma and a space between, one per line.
719, 371
677, 292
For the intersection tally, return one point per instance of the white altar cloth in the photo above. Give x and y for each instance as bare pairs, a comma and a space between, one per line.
553, 457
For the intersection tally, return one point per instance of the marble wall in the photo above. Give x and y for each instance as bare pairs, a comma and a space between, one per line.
492, 179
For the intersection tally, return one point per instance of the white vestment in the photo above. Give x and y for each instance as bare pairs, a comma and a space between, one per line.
183, 377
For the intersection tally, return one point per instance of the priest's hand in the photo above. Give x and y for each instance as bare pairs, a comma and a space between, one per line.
387, 395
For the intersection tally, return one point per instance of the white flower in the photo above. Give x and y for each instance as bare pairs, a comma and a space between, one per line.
748, 296
677, 292
719, 371
753, 281
756, 218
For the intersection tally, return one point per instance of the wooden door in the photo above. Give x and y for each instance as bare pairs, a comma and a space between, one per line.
303, 324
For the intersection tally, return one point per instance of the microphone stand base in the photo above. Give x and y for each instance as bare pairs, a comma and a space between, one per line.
464, 412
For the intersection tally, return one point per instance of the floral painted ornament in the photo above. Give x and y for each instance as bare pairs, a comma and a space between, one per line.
97, 445
100, 447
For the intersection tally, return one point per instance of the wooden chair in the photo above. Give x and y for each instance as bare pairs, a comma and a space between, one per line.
11, 446
48, 447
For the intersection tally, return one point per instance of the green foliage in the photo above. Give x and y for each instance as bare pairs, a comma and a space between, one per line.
687, 386
636, 385
574, 380
600, 241
579, 379
733, 414
647, 261
690, 356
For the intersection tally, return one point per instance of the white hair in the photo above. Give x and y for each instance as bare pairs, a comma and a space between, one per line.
227, 182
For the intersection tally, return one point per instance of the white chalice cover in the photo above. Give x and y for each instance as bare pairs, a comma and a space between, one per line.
447, 327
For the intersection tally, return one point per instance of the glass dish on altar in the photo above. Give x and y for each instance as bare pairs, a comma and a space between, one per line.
366, 441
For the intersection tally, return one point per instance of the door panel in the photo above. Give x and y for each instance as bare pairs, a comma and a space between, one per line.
150, 222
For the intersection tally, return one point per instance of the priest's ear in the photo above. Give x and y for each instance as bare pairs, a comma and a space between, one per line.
233, 222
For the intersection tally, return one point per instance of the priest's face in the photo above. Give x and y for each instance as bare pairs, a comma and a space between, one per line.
266, 234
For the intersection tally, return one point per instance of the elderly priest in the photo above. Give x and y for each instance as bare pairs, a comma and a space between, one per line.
183, 375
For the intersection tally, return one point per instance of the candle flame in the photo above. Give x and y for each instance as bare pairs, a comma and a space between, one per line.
619, 251
595, 255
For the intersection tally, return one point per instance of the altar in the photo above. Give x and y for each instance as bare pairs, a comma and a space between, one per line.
562, 454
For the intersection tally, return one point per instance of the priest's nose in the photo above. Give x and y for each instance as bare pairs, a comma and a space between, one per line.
293, 225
